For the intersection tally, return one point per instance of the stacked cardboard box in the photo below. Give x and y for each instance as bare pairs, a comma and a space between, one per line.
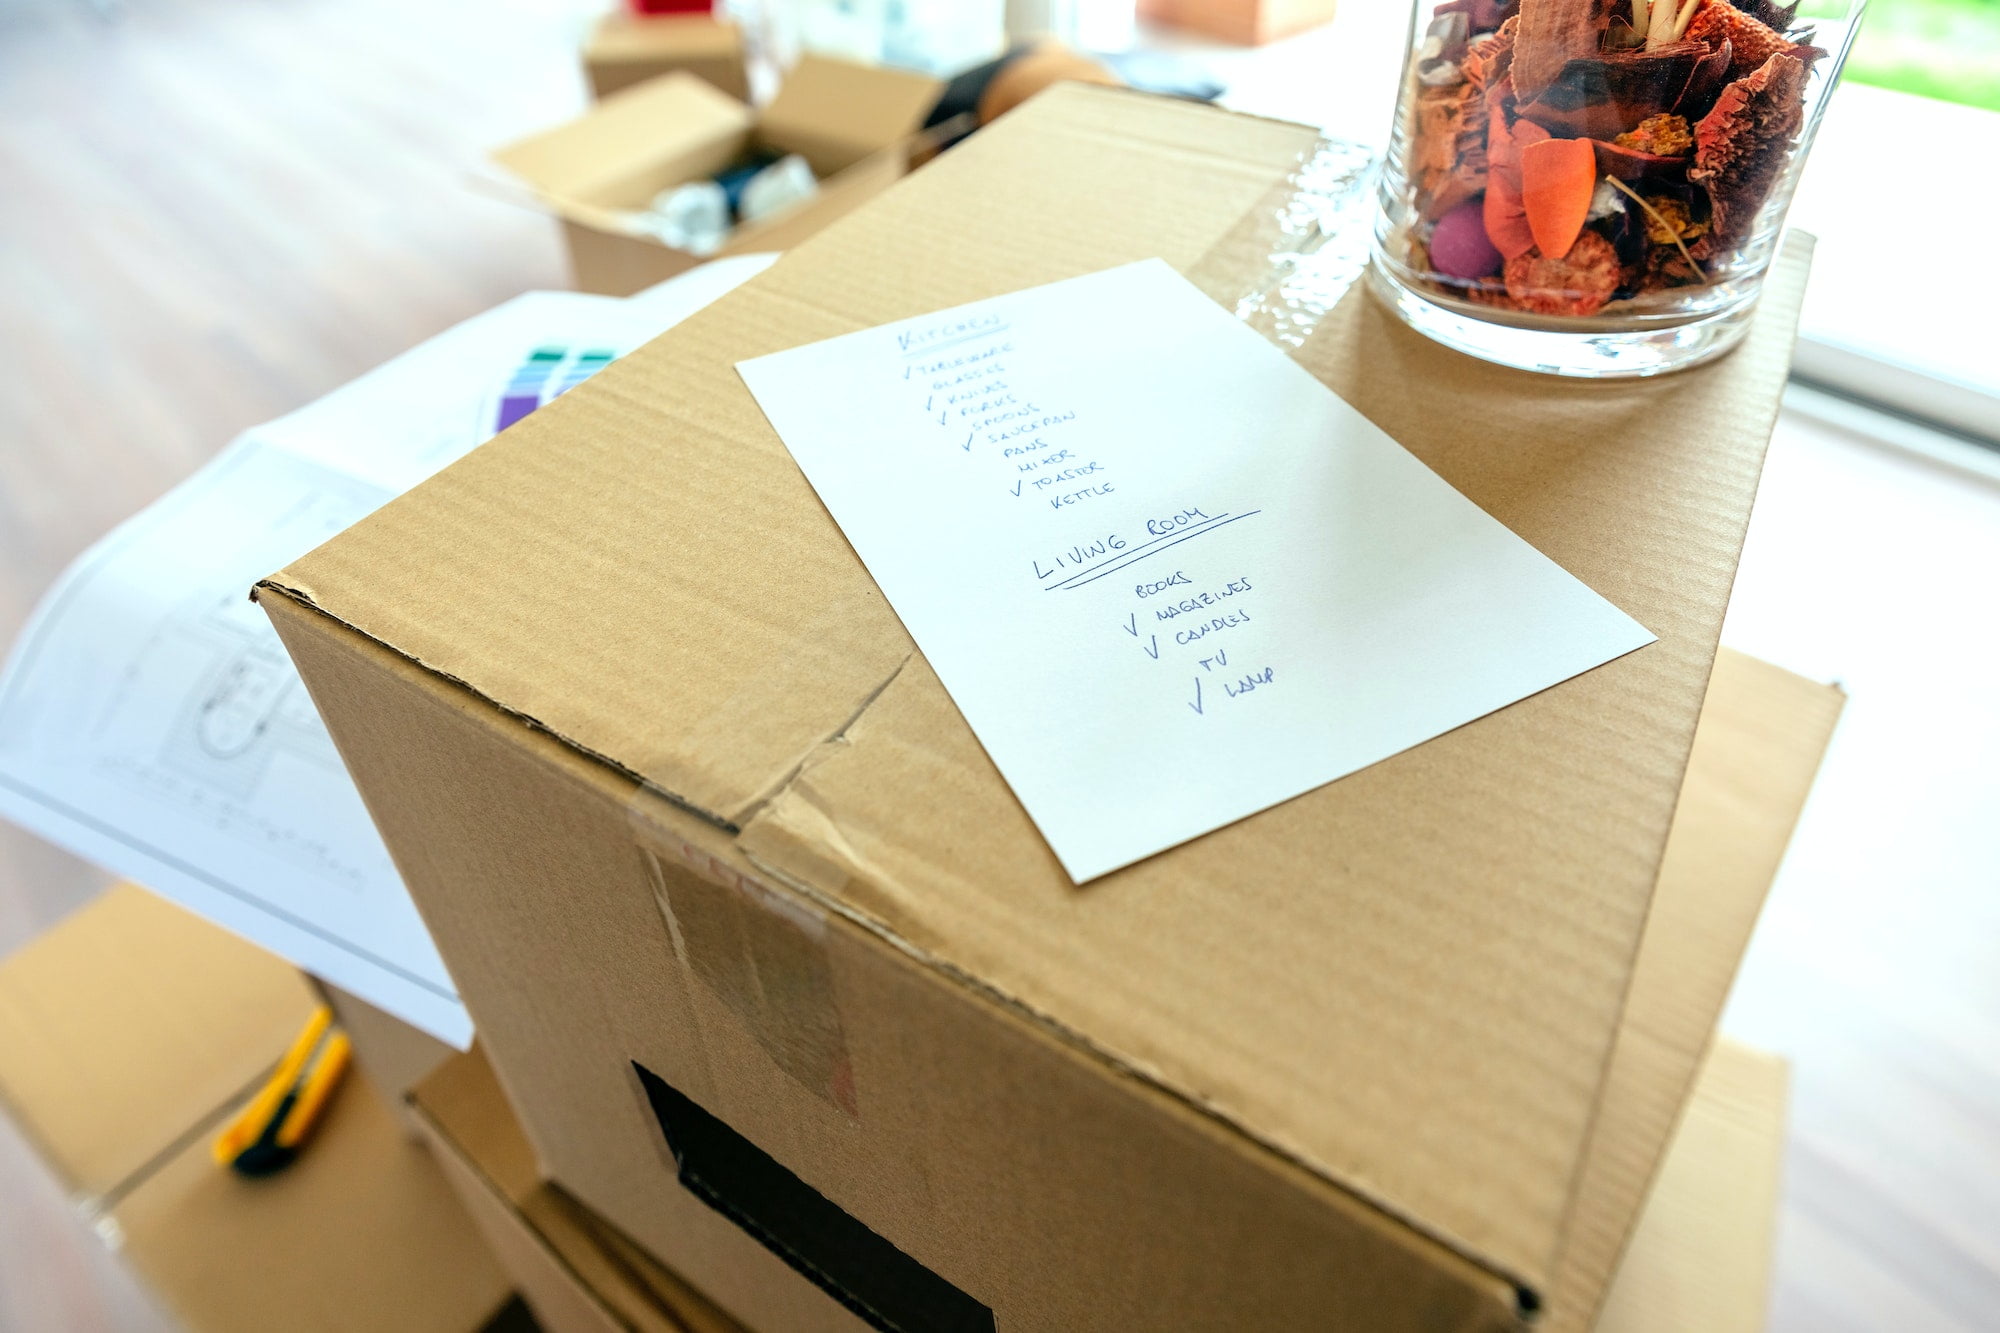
129, 1034
785, 986
625, 49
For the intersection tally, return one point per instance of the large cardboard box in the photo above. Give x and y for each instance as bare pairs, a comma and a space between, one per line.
1700, 1255
128, 1035
756, 934
624, 49
852, 123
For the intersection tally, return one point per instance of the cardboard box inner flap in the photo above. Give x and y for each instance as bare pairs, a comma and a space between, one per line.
634, 144
677, 128
834, 115
1408, 981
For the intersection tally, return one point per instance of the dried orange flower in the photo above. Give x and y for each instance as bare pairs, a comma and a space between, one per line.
1664, 135
1669, 220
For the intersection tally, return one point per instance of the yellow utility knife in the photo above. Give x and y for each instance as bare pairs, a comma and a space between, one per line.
266, 1136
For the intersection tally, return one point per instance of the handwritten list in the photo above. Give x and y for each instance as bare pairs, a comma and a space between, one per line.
1169, 578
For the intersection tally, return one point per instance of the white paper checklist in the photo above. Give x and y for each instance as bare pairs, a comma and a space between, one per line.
1169, 577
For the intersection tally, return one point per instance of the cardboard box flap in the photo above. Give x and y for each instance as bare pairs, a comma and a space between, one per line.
1408, 980
1756, 752
836, 113
633, 143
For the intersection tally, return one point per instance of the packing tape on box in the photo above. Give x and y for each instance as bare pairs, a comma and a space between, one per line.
1304, 245
758, 949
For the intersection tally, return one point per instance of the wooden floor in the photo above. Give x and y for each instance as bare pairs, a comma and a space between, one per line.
213, 211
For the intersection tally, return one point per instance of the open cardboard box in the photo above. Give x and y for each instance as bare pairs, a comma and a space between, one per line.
852, 123
756, 936
129, 1033
625, 48
1699, 1256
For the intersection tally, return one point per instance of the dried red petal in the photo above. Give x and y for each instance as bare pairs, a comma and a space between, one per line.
1752, 42
1553, 33
1603, 96
1487, 56
1483, 15
1505, 216
1558, 178
1740, 145
1629, 164
1579, 283
1710, 73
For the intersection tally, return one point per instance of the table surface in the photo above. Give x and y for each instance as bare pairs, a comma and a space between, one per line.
217, 211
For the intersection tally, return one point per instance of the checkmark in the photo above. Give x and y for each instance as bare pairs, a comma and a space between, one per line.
1154, 653
1196, 705
1017, 488
1132, 624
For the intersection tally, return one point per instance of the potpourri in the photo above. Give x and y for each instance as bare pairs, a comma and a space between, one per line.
1565, 154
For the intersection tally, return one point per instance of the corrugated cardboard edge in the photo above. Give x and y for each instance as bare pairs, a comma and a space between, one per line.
299, 595
1751, 770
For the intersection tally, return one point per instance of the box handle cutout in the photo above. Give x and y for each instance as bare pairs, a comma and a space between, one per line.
825, 1244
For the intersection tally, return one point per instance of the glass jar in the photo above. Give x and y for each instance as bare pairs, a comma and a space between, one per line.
1595, 187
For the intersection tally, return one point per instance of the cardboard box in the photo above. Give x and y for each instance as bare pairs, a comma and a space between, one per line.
624, 49
852, 123
1340, 1063
1699, 1259
1702, 1245
128, 1034
1245, 22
